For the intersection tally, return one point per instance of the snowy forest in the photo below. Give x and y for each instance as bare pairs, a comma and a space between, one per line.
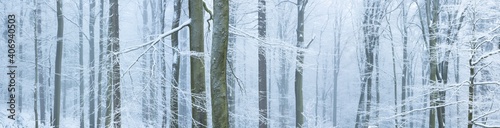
247, 64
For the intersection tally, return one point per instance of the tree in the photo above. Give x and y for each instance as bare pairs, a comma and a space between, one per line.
404, 76
80, 62
299, 109
371, 23
39, 57
101, 62
197, 67
283, 84
91, 65
336, 64
262, 65
174, 90
57, 77
36, 34
163, 65
113, 86
220, 113
433, 21
231, 80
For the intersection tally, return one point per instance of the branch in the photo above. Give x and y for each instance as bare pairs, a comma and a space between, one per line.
491, 82
209, 12
237, 79
486, 114
307, 47
485, 56
157, 39
484, 125
242, 33
64, 16
286, 1
152, 43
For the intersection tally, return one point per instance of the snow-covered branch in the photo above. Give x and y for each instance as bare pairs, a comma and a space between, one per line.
485, 56
158, 39
490, 82
153, 43
484, 125
486, 114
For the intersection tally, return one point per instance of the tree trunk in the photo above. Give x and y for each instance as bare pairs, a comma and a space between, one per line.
152, 84
41, 81
262, 65
433, 58
80, 62
174, 92
231, 80
299, 109
283, 84
198, 94
114, 47
57, 77
163, 65
220, 113
91, 66
101, 62
144, 80
36, 34
371, 24
114, 71
336, 65
404, 77
470, 110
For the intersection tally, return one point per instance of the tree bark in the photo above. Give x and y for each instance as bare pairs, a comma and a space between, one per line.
36, 34
198, 94
262, 65
57, 77
433, 30
101, 63
80, 62
91, 65
220, 113
299, 109
114, 94
174, 92
40, 74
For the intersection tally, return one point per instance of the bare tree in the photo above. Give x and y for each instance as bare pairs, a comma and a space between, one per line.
101, 62
198, 94
262, 65
174, 91
80, 62
57, 77
299, 108
113, 87
220, 113
36, 34
373, 13
91, 65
